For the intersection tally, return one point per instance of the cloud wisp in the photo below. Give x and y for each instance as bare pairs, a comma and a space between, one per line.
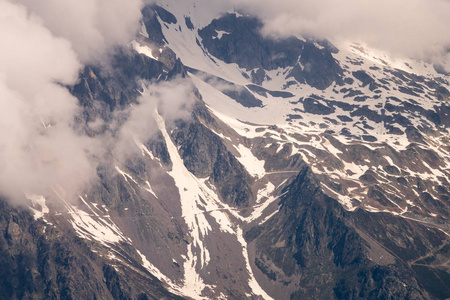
411, 28
173, 100
93, 27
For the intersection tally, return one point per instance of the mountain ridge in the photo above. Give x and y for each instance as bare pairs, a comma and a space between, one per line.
323, 173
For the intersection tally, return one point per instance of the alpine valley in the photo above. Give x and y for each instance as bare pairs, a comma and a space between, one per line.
295, 168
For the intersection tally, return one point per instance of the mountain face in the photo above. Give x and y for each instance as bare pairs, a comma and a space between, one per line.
302, 170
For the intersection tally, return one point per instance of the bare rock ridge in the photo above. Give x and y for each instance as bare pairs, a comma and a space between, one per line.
243, 44
340, 254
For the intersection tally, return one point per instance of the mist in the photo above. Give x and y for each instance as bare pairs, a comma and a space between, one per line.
173, 100
45, 46
408, 28
93, 27
39, 149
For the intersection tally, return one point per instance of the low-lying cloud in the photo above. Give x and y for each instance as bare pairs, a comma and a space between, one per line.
171, 99
93, 27
45, 44
38, 146
412, 28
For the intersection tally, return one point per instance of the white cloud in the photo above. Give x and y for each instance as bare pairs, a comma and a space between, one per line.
44, 46
415, 28
173, 100
93, 27
38, 146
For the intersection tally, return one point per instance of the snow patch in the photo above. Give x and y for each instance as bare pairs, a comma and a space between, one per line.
95, 227
256, 288
39, 206
125, 175
220, 34
149, 189
147, 51
144, 30
158, 274
253, 165
144, 149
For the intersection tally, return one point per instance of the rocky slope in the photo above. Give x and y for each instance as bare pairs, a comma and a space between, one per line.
303, 170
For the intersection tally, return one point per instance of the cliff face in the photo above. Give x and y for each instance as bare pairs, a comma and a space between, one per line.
242, 43
315, 249
42, 260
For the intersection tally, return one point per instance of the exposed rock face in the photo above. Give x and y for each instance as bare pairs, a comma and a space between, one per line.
205, 155
100, 92
313, 248
43, 261
241, 42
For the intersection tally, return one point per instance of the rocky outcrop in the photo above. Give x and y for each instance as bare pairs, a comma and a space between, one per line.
206, 156
42, 260
315, 249
101, 90
242, 43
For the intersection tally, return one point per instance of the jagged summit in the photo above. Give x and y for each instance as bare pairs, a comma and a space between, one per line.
260, 168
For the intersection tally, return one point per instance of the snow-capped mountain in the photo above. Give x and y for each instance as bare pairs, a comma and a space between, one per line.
284, 168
